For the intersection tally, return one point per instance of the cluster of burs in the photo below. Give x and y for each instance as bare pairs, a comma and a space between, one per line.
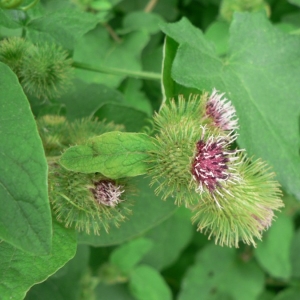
193, 160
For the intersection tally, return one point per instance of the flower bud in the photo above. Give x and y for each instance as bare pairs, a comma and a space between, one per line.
46, 71
12, 52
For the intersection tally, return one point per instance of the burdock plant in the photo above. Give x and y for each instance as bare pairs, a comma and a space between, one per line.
232, 196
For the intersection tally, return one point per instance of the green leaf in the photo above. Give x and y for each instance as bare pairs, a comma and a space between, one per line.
218, 33
296, 2
217, 274
167, 8
61, 27
134, 120
171, 88
128, 255
295, 258
7, 19
123, 55
288, 294
66, 282
169, 239
25, 211
259, 78
148, 211
140, 20
135, 97
273, 253
19, 270
146, 283
94, 96
113, 291
114, 154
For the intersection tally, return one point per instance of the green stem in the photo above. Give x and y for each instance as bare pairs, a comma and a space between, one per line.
32, 4
114, 71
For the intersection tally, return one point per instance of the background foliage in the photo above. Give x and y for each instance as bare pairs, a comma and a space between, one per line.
120, 48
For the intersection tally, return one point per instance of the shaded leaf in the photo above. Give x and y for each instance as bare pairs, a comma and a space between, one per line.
25, 211
140, 20
169, 239
288, 294
273, 253
84, 99
99, 50
65, 283
295, 250
134, 120
217, 274
7, 18
146, 283
126, 256
135, 97
112, 291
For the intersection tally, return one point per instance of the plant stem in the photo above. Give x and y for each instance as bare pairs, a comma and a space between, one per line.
151, 4
30, 5
112, 33
114, 71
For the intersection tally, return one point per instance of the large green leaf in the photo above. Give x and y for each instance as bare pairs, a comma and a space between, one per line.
133, 120
169, 239
83, 99
148, 211
273, 253
217, 274
25, 211
99, 50
61, 27
114, 154
66, 282
260, 77
19, 270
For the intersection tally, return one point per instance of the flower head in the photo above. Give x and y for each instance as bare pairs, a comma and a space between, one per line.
233, 197
107, 192
246, 211
220, 111
87, 202
214, 164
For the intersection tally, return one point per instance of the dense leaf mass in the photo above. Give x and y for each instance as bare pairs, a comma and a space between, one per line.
109, 107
